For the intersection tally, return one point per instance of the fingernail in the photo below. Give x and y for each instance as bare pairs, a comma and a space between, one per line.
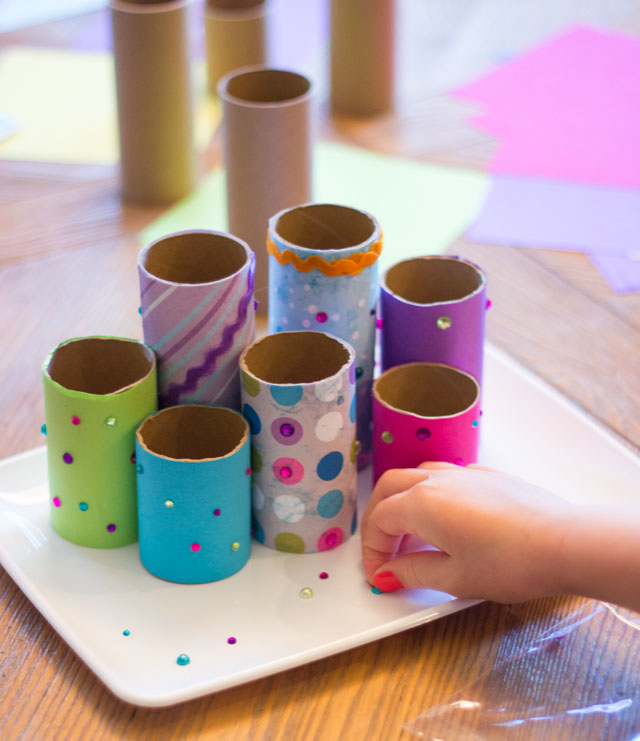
387, 581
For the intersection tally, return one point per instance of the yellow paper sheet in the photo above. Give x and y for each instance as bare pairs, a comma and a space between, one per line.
65, 105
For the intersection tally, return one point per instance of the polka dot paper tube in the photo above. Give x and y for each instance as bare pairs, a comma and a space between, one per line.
194, 494
298, 393
196, 291
433, 310
323, 275
424, 412
96, 392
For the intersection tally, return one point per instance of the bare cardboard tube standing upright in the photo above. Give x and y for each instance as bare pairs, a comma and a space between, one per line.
235, 33
267, 151
153, 81
362, 56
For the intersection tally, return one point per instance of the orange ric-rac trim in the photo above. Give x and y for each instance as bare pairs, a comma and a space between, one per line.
352, 265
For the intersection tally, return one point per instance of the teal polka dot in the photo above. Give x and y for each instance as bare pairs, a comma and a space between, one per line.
287, 396
352, 411
330, 503
252, 418
330, 466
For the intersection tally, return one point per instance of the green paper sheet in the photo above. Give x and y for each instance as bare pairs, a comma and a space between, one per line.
64, 104
421, 208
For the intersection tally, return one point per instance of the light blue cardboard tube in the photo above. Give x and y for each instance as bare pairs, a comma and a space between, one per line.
194, 493
323, 276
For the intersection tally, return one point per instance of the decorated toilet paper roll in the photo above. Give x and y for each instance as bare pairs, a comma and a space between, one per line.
96, 392
153, 85
362, 56
235, 33
323, 275
433, 309
298, 392
267, 153
196, 291
424, 412
194, 493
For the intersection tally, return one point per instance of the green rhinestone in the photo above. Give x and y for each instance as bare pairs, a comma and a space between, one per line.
306, 593
183, 660
235, 545
110, 421
443, 322
387, 437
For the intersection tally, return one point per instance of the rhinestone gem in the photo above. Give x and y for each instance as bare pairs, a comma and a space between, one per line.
168, 503
387, 437
183, 660
235, 546
306, 593
443, 322
423, 433
285, 472
110, 421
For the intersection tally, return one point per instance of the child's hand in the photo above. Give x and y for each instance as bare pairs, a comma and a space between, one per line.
499, 538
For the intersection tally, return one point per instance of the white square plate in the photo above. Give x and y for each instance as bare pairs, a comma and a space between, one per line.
92, 596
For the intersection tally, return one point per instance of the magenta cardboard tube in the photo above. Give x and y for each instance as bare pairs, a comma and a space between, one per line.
424, 412
433, 310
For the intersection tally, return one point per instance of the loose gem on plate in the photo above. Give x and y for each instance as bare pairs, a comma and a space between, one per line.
231, 640
126, 632
110, 421
235, 545
387, 437
423, 433
443, 322
324, 575
75, 420
56, 501
306, 593
67, 458
183, 660
43, 429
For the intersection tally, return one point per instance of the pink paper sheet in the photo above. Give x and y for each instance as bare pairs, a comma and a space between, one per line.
569, 109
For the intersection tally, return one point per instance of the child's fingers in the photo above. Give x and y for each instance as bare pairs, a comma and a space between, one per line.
421, 570
391, 482
388, 523
442, 466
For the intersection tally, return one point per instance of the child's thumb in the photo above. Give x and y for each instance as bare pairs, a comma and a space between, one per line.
422, 570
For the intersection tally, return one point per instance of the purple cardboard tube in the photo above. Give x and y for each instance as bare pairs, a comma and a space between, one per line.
433, 310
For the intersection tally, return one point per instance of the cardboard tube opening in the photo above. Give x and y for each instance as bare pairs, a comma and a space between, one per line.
97, 365
195, 257
324, 226
427, 389
295, 357
430, 280
234, 4
266, 86
193, 432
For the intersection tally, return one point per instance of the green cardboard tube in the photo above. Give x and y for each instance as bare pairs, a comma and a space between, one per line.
97, 390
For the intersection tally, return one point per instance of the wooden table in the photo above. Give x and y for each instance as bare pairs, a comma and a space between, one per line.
67, 268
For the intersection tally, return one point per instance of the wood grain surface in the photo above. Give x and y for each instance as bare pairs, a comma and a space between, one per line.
68, 251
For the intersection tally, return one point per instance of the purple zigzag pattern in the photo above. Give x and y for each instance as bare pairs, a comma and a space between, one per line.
209, 363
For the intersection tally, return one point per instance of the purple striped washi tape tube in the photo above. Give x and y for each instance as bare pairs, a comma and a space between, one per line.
197, 309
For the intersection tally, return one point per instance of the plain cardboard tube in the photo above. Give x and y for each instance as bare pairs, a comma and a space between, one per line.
362, 56
155, 119
235, 36
267, 153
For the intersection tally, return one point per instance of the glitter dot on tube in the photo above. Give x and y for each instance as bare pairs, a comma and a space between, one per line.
183, 660
286, 429
235, 546
83, 506
216, 513
488, 304
195, 547
379, 323
43, 429
56, 501
285, 472
423, 433
67, 458
331, 539
474, 423
443, 322
324, 575
75, 420
231, 640
139, 468
459, 462
111, 527
306, 593
387, 437
248, 471
168, 503
110, 421
321, 317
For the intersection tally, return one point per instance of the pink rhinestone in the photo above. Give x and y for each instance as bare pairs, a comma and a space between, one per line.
285, 472
379, 323
231, 640
75, 420
331, 539
56, 502
423, 433
248, 471
111, 528
195, 547
286, 429
216, 513
459, 462
324, 575
321, 317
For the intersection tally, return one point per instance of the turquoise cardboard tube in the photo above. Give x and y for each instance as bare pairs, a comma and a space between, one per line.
194, 493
